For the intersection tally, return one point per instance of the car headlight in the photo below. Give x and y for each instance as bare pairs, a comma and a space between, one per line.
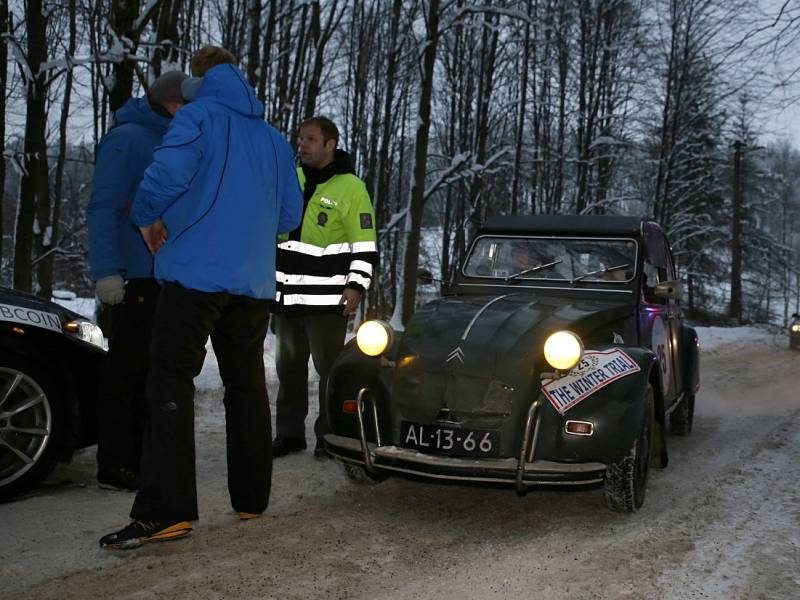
86, 331
796, 327
373, 337
563, 350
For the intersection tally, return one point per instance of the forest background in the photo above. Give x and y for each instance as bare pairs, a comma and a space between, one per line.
452, 110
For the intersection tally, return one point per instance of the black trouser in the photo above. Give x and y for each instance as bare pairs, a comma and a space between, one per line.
121, 396
237, 326
322, 337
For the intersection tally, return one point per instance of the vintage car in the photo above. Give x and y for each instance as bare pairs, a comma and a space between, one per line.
794, 332
49, 360
557, 356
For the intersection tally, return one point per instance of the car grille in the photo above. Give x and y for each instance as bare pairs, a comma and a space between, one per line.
476, 402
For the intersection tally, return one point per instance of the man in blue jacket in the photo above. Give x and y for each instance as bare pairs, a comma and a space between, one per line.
220, 189
122, 267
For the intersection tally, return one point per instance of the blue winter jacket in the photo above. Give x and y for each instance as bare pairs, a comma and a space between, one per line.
115, 245
224, 183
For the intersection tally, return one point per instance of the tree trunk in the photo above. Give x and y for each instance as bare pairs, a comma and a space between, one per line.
381, 199
33, 215
266, 67
45, 267
735, 307
4, 27
167, 36
521, 101
123, 15
320, 38
254, 71
420, 163
127, 25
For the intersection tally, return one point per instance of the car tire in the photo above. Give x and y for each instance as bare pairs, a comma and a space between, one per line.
626, 480
682, 418
33, 424
358, 474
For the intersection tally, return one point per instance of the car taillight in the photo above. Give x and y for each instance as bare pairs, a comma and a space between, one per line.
350, 406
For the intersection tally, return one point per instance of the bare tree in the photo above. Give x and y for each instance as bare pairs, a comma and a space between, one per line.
33, 215
5, 31
416, 199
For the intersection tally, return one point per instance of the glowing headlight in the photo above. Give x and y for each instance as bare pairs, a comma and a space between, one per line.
373, 337
796, 327
563, 350
86, 331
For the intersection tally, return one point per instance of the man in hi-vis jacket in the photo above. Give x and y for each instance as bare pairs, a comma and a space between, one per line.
323, 270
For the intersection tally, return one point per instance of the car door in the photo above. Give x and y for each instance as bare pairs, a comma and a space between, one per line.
660, 317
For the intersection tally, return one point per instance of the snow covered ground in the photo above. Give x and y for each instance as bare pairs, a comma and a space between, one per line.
721, 521
83, 306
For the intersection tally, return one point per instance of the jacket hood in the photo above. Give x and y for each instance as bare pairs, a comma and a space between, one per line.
136, 111
226, 85
342, 165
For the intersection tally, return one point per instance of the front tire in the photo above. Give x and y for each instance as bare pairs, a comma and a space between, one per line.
359, 475
32, 424
682, 418
626, 480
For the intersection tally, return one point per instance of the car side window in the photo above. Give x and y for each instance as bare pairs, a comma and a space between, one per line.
672, 274
656, 264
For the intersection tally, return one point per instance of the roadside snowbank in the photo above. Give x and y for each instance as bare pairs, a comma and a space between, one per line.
716, 338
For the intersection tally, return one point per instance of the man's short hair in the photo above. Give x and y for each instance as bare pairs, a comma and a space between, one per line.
326, 126
208, 57
167, 88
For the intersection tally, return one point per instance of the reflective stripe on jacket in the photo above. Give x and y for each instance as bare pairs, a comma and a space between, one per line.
337, 248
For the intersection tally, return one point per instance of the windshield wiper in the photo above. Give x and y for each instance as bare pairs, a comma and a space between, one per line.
531, 270
598, 272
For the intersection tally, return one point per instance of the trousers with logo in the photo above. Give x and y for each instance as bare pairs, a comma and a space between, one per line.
121, 393
237, 326
320, 336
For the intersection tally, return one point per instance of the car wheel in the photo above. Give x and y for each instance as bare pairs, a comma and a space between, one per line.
31, 425
358, 474
681, 419
626, 480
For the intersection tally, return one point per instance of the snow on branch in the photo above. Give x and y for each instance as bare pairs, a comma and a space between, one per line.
466, 11
457, 163
151, 5
18, 54
396, 217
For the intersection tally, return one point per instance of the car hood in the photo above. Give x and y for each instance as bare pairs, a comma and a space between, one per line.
474, 354
486, 329
13, 297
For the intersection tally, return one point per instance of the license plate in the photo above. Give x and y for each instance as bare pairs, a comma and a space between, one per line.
449, 441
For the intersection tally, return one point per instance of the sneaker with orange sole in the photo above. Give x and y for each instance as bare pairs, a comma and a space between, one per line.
246, 516
137, 533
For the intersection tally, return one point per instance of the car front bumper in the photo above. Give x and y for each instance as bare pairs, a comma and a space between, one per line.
489, 470
522, 471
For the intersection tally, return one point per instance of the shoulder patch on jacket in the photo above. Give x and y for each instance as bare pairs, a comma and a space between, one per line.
366, 220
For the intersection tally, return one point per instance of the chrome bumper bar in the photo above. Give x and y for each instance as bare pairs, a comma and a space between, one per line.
523, 471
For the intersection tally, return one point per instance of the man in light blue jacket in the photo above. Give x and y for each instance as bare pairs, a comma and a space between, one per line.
122, 267
220, 189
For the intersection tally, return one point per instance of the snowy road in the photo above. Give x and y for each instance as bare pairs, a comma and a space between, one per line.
722, 521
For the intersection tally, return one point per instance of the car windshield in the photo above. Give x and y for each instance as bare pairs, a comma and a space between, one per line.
552, 258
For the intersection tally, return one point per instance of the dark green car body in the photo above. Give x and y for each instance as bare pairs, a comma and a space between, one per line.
473, 361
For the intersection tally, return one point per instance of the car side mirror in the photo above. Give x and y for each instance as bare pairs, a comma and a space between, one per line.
796, 316
669, 289
425, 276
